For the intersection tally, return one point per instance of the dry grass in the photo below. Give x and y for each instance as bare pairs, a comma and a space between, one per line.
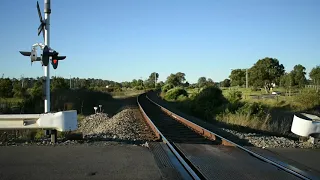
245, 120
126, 94
255, 122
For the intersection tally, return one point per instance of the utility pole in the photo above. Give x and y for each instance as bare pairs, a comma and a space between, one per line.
22, 80
155, 80
247, 82
70, 81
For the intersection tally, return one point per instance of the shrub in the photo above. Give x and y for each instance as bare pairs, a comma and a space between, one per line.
208, 102
192, 95
182, 98
255, 88
174, 93
138, 88
252, 109
234, 96
167, 87
307, 99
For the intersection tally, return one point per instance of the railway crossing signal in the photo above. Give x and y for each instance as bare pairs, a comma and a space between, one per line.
45, 56
48, 56
56, 59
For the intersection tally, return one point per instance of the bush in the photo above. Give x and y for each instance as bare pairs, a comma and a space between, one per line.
167, 87
255, 88
174, 93
208, 102
307, 99
252, 109
234, 96
138, 88
182, 98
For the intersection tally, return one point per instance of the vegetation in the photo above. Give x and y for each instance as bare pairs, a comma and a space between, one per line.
255, 107
177, 79
266, 72
203, 82
315, 75
238, 77
228, 103
225, 83
167, 87
207, 103
175, 93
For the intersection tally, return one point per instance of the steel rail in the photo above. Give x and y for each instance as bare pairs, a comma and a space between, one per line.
173, 150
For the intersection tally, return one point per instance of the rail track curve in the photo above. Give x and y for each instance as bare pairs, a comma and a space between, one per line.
207, 155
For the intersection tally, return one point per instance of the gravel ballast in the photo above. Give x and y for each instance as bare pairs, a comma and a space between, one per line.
266, 141
126, 125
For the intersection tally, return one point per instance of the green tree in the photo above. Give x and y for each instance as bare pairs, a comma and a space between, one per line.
19, 91
299, 75
287, 80
225, 83
6, 88
181, 77
134, 83
202, 81
210, 82
37, 90
161, 83
265, 72
140, 82
152, 79
238, 77
186, 84
315, 75
59, 83
176, 79
126, 84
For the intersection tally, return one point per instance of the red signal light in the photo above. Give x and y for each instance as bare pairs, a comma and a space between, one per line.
55, 61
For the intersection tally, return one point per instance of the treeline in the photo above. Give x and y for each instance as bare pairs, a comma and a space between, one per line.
269, 72
22, 87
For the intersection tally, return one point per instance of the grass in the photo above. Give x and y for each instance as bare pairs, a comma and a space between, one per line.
274, 115
126, 94
244, 120
11, 100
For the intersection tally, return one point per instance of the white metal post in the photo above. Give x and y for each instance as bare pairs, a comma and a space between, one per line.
47, 12
46, 69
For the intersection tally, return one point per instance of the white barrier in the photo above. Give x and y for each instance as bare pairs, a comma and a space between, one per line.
60, 121
305, 125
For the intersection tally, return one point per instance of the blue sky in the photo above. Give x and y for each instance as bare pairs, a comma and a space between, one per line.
124, 39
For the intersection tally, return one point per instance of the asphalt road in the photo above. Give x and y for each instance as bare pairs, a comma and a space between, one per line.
78, 162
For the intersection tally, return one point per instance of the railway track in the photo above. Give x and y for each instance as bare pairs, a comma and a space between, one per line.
206, 155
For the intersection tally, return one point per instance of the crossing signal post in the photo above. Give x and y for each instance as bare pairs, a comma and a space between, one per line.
47, 55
